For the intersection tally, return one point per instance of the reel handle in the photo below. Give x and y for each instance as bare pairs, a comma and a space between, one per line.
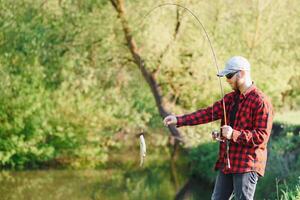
216, 135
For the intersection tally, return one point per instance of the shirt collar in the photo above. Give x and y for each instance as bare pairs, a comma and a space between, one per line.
247, 92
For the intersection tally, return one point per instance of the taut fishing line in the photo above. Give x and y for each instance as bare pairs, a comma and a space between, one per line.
212, 51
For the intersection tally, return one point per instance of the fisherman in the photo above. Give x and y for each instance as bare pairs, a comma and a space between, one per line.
243, 147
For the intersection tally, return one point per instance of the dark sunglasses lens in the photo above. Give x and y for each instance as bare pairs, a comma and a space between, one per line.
230, 75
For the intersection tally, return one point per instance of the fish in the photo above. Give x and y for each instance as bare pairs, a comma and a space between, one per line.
142, 150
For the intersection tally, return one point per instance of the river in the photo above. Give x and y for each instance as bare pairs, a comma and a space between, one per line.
153, 181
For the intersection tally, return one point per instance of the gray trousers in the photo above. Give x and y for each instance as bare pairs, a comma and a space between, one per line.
241, 185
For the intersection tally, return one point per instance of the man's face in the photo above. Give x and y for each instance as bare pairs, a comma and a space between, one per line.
233, 80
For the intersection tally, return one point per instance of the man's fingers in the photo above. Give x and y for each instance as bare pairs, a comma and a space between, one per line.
226, 131
169, 120
166, 121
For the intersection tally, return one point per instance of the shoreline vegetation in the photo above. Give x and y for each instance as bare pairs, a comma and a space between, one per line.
72, 96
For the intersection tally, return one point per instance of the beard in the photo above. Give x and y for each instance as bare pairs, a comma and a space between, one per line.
235, 85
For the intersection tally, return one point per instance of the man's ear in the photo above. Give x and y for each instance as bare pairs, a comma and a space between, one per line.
241, 74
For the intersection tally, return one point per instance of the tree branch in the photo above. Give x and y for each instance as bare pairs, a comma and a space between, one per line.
140, 62
114, 4
167, 48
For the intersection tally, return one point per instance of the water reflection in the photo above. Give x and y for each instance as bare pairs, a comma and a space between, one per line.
88, 184
148, 183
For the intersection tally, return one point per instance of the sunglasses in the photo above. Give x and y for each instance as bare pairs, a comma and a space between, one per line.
230, 75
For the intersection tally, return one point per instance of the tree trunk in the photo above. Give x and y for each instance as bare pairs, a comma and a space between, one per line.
140, 62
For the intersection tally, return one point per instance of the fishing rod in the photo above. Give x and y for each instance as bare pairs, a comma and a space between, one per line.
215, 134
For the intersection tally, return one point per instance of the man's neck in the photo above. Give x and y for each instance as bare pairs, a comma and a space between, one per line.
245, 87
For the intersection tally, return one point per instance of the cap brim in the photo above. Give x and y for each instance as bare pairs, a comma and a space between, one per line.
223, 73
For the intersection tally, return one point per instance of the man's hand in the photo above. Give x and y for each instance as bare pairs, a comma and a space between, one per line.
227, 131
170, 120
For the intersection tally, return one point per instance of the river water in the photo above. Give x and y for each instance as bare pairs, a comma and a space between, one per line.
154, 181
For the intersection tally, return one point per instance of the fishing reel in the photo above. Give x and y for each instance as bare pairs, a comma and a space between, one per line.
217, 135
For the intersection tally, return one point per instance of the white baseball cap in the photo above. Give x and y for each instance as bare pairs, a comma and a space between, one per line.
236, 63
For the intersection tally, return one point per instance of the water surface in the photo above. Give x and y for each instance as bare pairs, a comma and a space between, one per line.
121, 180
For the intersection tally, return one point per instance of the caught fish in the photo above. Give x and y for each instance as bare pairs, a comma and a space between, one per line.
142, 150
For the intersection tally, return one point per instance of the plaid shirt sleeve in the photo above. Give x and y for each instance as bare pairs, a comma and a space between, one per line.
262, 125
203, 116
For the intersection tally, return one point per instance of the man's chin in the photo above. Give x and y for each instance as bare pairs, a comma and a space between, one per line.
234, 88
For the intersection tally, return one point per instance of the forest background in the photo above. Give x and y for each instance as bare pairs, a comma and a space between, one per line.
71, 92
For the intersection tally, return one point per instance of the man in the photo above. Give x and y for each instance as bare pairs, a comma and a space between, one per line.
243, 148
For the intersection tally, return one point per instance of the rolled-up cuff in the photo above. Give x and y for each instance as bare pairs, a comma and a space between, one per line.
179, 121
235, 135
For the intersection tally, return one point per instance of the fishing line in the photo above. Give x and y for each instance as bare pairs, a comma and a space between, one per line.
214, 58
210, 45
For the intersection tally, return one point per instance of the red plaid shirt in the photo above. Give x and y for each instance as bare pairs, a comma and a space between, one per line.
251, 130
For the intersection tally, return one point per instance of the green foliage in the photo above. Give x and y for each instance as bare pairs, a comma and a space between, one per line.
203, 159
292, 194
45, 100
70, 91
64, 91
254, 29
30, 132
282, 173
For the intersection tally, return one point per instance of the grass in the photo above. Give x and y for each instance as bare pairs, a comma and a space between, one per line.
290, 194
